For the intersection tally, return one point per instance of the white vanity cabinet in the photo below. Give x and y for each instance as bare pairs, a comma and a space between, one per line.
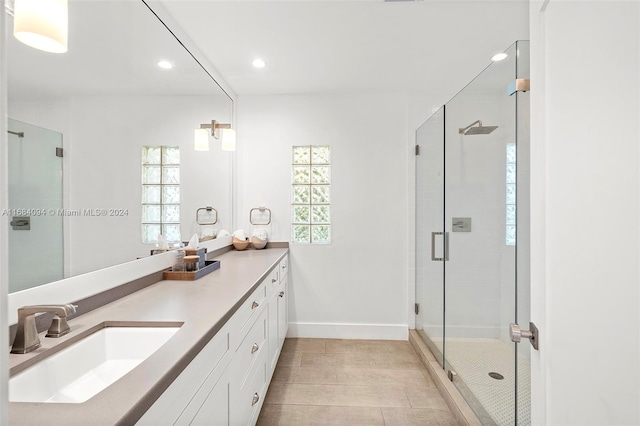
225, 384
249, 389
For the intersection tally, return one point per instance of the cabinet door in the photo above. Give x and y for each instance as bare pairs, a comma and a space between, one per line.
215, 410
283, 312
274, 347
183, 398
246, 401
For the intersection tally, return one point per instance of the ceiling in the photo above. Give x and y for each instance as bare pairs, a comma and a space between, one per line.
114, 47
327, 47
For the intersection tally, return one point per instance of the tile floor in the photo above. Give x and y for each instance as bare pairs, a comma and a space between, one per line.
352, 382
473, 359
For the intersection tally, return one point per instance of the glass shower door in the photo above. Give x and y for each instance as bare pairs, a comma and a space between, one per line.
480, 215
472, 239
430, 233
35, 206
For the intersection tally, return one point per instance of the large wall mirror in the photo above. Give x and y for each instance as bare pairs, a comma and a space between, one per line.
81, 208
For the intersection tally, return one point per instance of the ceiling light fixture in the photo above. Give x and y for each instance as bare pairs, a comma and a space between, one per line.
165, 64
41, 24
258, 63
499, 57
218, 130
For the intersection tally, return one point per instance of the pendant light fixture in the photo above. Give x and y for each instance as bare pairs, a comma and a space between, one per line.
41, 24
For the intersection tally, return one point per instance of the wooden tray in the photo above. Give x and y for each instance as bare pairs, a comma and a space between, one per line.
210, 266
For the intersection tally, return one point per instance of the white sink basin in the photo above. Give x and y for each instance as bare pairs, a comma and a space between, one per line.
88, 366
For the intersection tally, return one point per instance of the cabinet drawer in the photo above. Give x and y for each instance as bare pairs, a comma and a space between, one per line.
272, 280
284, 267
246, 314
251, 349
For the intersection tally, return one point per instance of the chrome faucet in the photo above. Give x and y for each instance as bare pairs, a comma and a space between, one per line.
27, 338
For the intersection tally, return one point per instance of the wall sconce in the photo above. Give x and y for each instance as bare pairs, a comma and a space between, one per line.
42, 24
228, 140
218, 131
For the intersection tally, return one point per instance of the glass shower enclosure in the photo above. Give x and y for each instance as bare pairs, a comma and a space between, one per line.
472, 238
35, 206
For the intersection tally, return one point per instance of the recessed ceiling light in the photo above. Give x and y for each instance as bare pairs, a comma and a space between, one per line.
499, 57
258, 63
165, 64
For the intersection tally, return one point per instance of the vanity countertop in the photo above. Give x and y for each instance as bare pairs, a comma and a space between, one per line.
203, 306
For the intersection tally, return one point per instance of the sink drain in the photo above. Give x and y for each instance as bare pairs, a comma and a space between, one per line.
496, 376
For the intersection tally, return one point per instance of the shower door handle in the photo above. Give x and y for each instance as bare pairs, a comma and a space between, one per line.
445, 236
516, 334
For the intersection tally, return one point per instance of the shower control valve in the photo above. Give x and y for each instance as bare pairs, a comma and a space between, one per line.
516, 334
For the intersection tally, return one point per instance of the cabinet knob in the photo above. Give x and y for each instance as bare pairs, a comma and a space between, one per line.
255, 348
273, 280
255, 399
254, 305
281, 294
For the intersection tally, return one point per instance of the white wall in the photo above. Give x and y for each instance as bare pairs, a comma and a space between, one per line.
103, 137
355, 287
585, 211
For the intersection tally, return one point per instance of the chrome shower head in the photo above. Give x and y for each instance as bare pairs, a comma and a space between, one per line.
479, 130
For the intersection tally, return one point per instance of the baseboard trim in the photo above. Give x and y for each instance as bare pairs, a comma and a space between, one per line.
349, 331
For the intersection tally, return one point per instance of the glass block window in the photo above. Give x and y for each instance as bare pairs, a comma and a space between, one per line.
160, 193
311, 194
511, 195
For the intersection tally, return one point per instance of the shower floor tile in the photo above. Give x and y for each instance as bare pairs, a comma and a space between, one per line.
474, 359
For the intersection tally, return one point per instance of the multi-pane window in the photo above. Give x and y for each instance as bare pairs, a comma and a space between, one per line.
311, 194
511, 195
160, 193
